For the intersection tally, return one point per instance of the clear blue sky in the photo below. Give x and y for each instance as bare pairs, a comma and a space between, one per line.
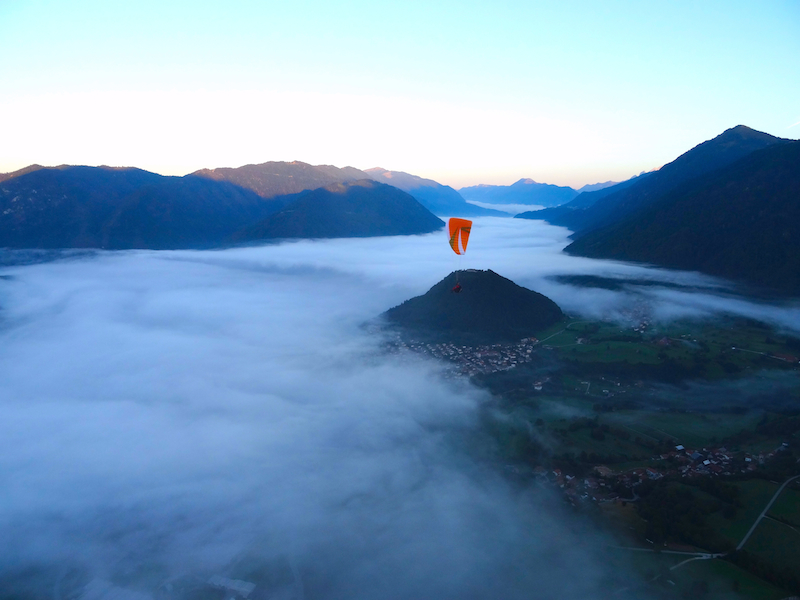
463, 92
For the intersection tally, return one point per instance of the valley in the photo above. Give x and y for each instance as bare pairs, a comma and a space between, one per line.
611, 419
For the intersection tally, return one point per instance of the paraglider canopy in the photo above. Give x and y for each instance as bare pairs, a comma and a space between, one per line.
458, 230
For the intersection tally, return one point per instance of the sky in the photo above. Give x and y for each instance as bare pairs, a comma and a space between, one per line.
569, 93
171, 415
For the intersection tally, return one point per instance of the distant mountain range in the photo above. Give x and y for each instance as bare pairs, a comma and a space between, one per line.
564, 214
595, 187
524, 191
439, 199
741, 221
118, 208
489, 309
362, 208
273, 179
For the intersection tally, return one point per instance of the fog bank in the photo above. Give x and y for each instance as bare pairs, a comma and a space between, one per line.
172, 415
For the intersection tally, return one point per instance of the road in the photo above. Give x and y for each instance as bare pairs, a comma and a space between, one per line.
694, 554
701, 557
764, 512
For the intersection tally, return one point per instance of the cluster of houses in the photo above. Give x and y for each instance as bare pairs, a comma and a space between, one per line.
598, 488
684, 462
471, 360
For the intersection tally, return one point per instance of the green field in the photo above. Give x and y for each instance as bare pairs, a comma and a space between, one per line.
754, 496
787, 506
611, 352
776, 543
710, 352
725, 580
694, 430
620, 397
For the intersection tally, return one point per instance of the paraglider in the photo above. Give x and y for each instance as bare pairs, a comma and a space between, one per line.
458, 232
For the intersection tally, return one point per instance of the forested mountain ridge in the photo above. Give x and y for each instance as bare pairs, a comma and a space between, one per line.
741, 222
622, 200
124, 208
23, 171
116, 208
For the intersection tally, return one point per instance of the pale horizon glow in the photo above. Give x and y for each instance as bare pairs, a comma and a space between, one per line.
570, 95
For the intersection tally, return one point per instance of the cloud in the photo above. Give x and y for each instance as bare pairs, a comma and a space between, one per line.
169, 414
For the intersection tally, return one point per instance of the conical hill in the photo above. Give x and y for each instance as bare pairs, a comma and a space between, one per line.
489, 309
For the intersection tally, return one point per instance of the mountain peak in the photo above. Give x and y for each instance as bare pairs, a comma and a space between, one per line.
489, 309
743, 132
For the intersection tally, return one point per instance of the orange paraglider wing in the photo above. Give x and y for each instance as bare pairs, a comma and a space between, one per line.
459, 229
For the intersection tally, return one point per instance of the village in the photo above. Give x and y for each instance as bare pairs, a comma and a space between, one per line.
471, 360
607, 485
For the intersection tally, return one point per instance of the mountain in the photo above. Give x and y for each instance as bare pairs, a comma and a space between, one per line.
726, 148
489, 309
524, 191
741, 222
117, 208
271, 179
563, 215
437, 198
594, 187
23, 171
356, 209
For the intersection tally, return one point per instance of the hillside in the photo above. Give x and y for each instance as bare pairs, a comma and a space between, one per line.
618, 202
271, 179
359, 209
437, 198
741, 222
524, 191
118, 208
23, 171
489, 309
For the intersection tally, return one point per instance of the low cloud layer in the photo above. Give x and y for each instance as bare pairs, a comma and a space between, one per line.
167, 413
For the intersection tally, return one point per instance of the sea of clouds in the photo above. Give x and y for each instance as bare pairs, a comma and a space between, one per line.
165, 414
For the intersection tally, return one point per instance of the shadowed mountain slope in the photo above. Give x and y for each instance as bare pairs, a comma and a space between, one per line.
524, 191
271, 179
489, 309
358, 209
741, 222
437, 198
119, 208
618, 202
123, 208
